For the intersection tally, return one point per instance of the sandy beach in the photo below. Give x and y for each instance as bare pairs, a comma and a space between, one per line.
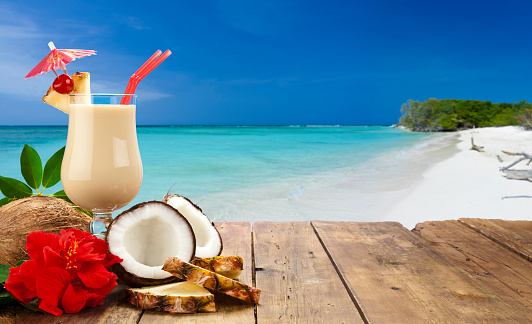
439, 179
435, 178
469, 184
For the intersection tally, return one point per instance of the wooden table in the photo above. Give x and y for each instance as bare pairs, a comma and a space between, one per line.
465, 271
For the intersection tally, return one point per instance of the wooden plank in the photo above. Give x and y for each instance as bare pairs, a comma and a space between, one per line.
514, 235
237, 241
396, 277
113, 310
236, 238
13, 313
299, 284
506, 274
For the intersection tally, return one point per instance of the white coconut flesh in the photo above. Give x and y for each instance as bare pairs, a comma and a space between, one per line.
184, 288
208, 241
146, 236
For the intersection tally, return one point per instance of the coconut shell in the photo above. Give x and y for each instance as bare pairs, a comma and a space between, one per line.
168, 196
131, 279
37, 213
134, 281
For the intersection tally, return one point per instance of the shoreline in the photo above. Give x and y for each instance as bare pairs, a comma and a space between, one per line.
439, 178
469, 184
436, 177
363, 193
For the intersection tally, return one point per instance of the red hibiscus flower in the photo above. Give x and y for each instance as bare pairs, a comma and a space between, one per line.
66, 272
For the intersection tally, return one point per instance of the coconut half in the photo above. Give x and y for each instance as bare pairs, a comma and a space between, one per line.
144, 236
208, 239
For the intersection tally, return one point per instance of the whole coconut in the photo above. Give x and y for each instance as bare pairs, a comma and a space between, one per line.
36, 213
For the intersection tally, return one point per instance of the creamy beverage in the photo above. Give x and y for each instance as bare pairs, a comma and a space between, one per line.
102, 169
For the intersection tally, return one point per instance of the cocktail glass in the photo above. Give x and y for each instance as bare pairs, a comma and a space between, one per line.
102, 169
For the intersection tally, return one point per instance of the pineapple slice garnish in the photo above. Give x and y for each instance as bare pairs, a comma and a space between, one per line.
82, 84
179, 297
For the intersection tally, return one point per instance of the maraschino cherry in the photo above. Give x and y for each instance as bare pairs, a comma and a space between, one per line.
63, 84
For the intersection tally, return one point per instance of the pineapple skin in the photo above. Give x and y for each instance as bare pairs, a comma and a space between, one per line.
211, 280
227, 266
172, 304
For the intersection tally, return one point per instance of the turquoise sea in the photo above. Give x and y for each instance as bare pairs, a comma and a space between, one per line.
250, 173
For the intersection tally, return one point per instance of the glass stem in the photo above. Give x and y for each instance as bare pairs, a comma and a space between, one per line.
98, 225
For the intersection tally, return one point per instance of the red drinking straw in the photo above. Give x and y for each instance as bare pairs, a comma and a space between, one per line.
143, 71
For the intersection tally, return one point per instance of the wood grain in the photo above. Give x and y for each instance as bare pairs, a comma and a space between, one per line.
236, 238
396, 277
299, 284
506, 274
514, 235
113, 310
461, 271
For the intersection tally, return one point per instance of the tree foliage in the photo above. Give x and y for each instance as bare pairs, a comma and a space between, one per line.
436, 115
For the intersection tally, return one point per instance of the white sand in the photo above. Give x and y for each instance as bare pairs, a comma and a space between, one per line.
469, 184
439, 179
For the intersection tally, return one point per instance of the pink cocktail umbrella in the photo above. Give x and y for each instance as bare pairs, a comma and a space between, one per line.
57, 59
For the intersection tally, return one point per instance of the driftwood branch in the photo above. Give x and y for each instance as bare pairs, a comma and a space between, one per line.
518, 174
476, 147
525, 156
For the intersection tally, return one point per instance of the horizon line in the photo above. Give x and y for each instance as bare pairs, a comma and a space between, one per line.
234, 125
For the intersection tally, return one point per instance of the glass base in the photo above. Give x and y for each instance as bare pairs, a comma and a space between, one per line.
98, 225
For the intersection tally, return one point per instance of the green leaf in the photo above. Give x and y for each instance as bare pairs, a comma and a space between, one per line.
61, 194
4, 272
88, 212
34, 306
4, 201
31, 166
5, 297
19, 263
52, 169
12, 188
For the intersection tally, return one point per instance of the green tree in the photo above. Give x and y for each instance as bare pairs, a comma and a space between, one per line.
452, 114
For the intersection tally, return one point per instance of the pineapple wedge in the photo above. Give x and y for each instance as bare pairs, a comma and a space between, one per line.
82, 84
211, 280
227, 266
181, 297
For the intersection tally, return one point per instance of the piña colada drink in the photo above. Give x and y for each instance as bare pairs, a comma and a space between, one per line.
102, 168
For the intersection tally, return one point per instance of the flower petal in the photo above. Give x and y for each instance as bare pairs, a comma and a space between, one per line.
79, 234
74, 234
100, 246
111, 259
29, 271
65, 239
85, 252
52, 258
96, 296
16, 286
80, 245
74, 298
52, 309
51, 285
36, 241
95, 275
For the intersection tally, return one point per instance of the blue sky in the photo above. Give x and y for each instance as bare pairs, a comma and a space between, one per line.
271, 62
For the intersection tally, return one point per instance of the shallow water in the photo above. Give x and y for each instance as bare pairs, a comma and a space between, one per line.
265, 173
